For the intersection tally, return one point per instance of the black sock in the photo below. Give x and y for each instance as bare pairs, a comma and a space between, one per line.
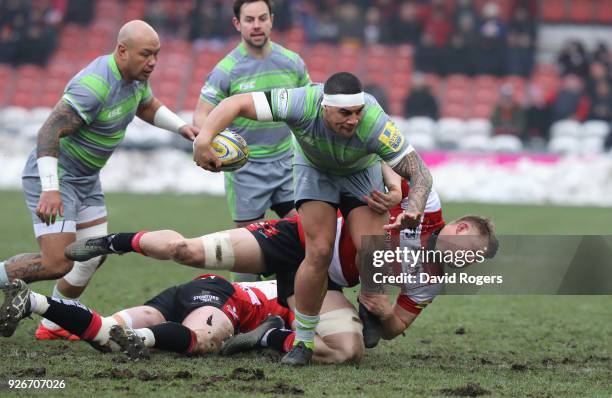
122, 242
276, 338
71, 315
172, 336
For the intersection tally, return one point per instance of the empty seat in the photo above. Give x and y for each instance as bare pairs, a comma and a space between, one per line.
479, 143
564, 145
420, 125
478, 127
506, 143
422, 141
595, 128
553, 10
581, 11
565, 128
450, 131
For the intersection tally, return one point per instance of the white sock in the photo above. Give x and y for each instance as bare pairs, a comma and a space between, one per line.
147, 336
104, 332
123, 314
38, 303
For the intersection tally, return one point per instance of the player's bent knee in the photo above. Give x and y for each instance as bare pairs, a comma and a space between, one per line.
209, 341
320, 253
56, 267
348, 351
182, 252
342, 331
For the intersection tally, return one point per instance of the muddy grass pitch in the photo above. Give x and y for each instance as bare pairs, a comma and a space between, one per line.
507, 346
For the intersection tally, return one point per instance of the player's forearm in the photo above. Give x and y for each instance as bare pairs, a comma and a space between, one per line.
392, 326
222, 116
412, 168
147, 110
392, 180
201, 113
62, 121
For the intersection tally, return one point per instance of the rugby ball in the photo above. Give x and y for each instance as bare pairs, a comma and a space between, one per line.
231, 149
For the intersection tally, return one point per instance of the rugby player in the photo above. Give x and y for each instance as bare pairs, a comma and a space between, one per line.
256, 64
192, 318
61, 177
341, 134
277, 246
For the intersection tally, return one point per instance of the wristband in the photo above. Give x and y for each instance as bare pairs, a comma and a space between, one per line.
47, 170
166, 119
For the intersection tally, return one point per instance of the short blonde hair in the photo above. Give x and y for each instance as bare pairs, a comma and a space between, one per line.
486, 228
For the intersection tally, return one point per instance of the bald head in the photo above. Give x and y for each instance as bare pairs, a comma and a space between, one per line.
136, 31
136, 51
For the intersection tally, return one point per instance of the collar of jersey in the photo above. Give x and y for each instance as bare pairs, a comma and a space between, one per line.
113, 65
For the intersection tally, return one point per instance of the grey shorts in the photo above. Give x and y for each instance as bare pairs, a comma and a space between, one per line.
312, 184
258, 186
82, 197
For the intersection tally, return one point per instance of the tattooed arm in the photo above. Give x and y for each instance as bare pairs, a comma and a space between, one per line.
62, 121
414, 170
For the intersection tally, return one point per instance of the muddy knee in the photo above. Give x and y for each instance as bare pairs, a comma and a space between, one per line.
342, 331
182, 252
210, 340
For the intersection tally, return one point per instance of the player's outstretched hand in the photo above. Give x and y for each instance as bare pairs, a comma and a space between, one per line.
406, 219
382, 202
50, 206
189, 132
377, 304
205, 157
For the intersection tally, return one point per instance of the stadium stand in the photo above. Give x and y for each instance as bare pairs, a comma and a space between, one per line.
466, 101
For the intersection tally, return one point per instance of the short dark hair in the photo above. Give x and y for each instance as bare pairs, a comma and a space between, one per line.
239, 3
485, 227
342, 83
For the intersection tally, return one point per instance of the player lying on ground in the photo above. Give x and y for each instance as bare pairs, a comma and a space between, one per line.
193, 318
277, 247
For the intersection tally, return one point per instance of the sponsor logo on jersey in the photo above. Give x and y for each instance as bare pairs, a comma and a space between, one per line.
247, 86
115, 112
206, 297
282, 103
391, 137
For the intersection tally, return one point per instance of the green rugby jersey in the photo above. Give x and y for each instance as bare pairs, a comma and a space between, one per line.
239, 73
376, 137
107, 104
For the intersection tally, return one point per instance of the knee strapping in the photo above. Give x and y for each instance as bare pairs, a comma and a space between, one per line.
218, 251
344, 320
82, 271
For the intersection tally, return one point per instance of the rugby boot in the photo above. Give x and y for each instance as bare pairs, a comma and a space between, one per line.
86, 249
372, 328
15, 307
130, 343
44, 333
247, 341
300, 355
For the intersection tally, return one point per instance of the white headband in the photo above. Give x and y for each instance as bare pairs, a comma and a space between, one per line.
343, 100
